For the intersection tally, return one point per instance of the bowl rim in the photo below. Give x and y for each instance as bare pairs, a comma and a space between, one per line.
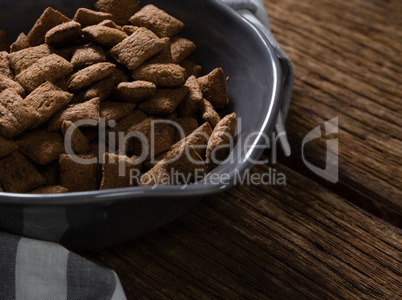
199, 189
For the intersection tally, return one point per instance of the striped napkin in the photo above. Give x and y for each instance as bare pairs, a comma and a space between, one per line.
37, 270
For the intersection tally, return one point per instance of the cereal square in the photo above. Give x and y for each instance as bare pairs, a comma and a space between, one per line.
87, 17
192, 69
157, 20
164, 57
137, 48
49, 68
7, 146
103, 35
48, 99
134, 91
78, 173
49, 19
24, 58
73, 137
87, 111
51, 173
163, 101
16, 115
4, 42
18, 174
41, 146
209, 114
63, 34
213, 87
115, 111
121, 10
163, 75
192, 102
116, 170
90, 75
87, 55
222, 136
102, 90
8, 83
159, 137
21, 43
181, 48
5, 68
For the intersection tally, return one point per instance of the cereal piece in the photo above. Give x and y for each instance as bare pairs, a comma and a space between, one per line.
159, 137
116, 171
192, 102
78, 173
121, 10
55, 189
25, 58
8, 83
87, 55
73, 137
137, 48
158, 21
63, 34
130, 29
51, 173
49, 19
209, 114
47, 99
124, 125
5, 68
213, 87
186, 126
50, 68
4, 42
192, 69
88, 111
90, 75
41, 146
18, 174
111, 24
182, 160
163, 101
115, 111
21, 43
87, 17
134, 91
16, 115
163, 57
102, 90
221, 141
164, 75
7, 146
181, 48
103, 35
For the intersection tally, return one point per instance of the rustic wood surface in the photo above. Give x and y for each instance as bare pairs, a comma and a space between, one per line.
308, 239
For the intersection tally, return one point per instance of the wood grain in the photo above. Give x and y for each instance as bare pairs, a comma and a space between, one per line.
260, 242
347, 62
309, 239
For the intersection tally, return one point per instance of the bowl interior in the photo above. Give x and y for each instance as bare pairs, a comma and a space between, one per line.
223, 39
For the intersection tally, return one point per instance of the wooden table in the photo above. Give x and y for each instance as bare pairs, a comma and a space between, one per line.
310, 238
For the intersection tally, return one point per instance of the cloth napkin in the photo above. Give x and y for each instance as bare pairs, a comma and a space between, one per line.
37, 270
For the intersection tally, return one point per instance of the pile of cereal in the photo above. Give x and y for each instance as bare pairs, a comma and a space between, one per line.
78, 96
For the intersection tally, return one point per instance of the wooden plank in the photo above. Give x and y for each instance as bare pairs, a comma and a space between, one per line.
259, 242
348, 64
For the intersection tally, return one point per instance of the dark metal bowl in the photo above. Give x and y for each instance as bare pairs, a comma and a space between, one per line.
103, 218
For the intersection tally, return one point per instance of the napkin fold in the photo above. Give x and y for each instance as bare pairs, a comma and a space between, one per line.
37, 270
